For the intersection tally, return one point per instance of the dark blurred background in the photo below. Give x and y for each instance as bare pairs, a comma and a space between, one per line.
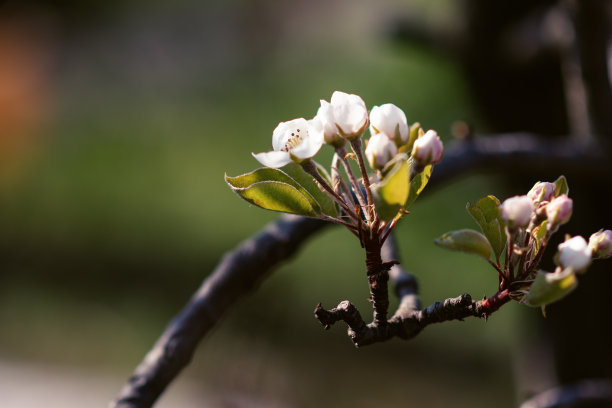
118, 120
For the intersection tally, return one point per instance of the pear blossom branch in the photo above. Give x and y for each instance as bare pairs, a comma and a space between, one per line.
240, 270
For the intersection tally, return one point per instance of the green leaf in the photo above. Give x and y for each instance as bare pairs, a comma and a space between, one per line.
561, 186
278, 196
391, 193
415, 132
244, 186
417, 184
550, 287
466, 240
306, 181
486, 213
539, 233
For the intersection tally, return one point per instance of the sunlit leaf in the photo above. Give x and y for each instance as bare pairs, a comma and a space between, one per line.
561, 186
486, 213
306, 181
275, 182
550, 287
417, 184
466, 240
391, 193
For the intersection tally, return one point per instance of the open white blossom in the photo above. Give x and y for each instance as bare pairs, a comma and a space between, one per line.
517, 211
575, 253
391, 121
345, 112
380, 150
296, 140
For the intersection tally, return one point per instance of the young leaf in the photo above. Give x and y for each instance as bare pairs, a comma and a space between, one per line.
539, 233
486, 213
550, 287
466, 240
278, 196
417, 184
391, 193
240, 185
561, 186
305, 180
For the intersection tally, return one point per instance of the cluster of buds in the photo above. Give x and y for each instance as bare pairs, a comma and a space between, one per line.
368, 204
520, 229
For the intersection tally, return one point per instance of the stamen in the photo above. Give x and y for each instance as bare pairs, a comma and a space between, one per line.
293, 141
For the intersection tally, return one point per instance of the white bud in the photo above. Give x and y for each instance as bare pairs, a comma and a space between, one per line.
600, 244
517, 211
574, 253
349, 114
427, 149
391, 121
559, 211
380, 150
542, 191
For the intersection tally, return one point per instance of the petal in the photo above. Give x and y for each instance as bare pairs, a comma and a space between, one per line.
273, 158
350, 112
283, 131
312, 143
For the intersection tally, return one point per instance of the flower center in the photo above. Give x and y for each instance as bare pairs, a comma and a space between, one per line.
295, 139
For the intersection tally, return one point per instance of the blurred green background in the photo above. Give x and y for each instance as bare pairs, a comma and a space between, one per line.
118, 121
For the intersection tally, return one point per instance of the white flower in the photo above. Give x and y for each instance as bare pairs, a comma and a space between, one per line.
296, 140
600, 244
542, 191
391, 121
347, 113
517, 211
574, 253
380, 150
428, 148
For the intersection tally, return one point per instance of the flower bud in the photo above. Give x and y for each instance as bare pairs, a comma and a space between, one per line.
427, 149
517, 211
600, 244
380, 150
559, 211
542, 191
391, 121
330, 131
349, 114
574, 253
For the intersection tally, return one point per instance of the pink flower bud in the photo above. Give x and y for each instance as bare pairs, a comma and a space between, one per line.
574, 253
600, 244
517, 211
542, 191
559, 210
428, 149
380, 150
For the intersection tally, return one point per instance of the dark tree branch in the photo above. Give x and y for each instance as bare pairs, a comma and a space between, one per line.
591, 393
409, 320
241, 270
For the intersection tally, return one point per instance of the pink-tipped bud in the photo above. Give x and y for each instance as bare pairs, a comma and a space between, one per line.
559, 211
600, 244
380, 150
517, 211
574, 253
428, 149
542, 191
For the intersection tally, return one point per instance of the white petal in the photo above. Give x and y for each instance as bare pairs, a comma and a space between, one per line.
273, 158
350, 112
312, 142
282, 132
